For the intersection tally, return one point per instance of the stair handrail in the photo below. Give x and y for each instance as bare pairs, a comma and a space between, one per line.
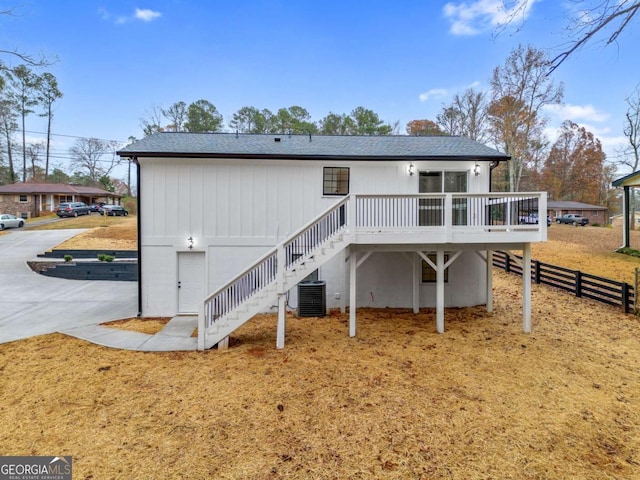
260, 273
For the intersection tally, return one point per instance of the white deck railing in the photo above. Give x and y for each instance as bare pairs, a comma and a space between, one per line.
446, 210
446, 217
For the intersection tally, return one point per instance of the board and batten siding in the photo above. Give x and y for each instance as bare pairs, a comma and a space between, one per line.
237, 209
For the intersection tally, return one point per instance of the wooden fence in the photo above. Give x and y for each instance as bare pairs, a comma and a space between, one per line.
581, 284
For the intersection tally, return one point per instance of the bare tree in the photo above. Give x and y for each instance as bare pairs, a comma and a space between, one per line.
25, 58
631, 155
34, 152
520, 90
466, 116
152, 121
608, 17
176, 114
96, 158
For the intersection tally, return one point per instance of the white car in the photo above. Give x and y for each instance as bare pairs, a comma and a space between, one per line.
10, 221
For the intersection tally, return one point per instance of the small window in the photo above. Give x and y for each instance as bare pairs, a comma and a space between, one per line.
429, 274
335, 181
23, 199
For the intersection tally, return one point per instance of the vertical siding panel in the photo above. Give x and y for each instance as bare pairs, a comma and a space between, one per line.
258, 212
222, 202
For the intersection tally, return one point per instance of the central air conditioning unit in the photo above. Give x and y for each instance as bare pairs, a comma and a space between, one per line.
312, 299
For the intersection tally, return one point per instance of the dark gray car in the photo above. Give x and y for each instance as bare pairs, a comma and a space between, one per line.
72, 209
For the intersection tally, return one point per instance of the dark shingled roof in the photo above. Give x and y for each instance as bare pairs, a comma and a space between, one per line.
275, 146
569, 205
55, 188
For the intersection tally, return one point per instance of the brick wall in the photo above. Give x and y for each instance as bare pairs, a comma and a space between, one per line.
11, 204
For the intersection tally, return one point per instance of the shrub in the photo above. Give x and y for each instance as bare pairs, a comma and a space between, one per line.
131, 204
68, 258
629, 251
103, 257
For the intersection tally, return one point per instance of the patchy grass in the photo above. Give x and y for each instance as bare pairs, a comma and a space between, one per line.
118, 233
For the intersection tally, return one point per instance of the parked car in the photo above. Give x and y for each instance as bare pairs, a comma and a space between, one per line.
114, 210
532, 218
573, 219
72, 209
95, 207
10, 221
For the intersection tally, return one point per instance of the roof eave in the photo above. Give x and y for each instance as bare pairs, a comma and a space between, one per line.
268, 156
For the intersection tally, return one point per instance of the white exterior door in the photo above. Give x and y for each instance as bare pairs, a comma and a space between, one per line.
190, 281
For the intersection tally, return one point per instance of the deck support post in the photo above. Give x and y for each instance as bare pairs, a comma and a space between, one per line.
416, 282
489, 281
343, 282
282, 320
526, 288
440, 290
353, 266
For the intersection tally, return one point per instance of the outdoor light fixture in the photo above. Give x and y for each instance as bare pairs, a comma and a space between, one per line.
190, 240
410, 169
476, 169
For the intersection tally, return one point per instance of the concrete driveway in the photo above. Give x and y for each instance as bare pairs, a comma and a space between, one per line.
32, 304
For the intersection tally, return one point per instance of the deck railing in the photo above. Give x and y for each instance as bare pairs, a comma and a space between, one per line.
271, 266
448, 210
355, 213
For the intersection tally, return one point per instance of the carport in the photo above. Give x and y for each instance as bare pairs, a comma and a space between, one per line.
627, 183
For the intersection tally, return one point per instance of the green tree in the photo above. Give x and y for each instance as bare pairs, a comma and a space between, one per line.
106, 183
59, 176
294, 120
367, 122
334, 124
8, 126
252, 120
48, 94
202, 116
25, 84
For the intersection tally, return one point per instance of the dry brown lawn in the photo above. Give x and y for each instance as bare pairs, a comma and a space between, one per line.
482, 400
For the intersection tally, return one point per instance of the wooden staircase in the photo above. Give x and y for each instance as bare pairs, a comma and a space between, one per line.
280, 269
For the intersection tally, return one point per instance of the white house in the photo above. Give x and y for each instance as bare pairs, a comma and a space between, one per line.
230, 223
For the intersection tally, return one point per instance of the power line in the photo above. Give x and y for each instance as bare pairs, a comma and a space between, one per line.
72, 136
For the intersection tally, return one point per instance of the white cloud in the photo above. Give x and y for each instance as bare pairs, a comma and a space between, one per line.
577, 112
433, 93
146, 15
141, 14
476, 16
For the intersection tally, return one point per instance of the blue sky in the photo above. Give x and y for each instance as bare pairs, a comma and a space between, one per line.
403, 59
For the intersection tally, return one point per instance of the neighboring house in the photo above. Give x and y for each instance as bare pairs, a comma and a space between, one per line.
595, 214
229, 224
28, 200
